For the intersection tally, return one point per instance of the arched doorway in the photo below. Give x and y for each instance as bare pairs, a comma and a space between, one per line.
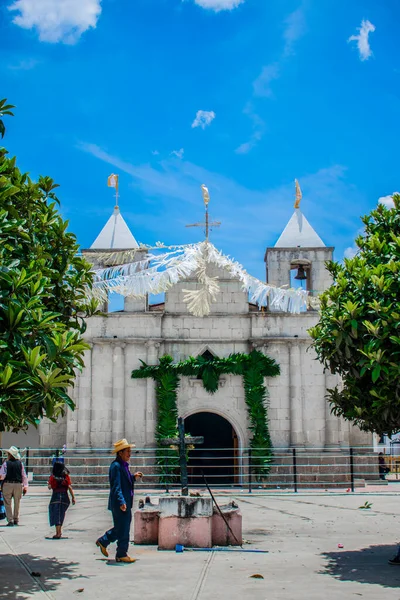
218, 456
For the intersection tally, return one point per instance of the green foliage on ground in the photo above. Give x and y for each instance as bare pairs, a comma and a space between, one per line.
252, 367
358, 334
43, 304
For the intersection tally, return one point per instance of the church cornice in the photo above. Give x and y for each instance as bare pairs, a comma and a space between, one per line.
251, 340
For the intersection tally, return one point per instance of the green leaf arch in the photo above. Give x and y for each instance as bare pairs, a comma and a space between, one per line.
253, 367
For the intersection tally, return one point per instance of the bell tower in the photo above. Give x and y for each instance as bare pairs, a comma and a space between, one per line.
116, 236
299, 255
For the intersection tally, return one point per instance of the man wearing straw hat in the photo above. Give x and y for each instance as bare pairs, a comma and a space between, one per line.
120, 502
15, 484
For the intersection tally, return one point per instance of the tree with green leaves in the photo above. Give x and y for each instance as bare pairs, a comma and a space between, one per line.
358, 334
43, 299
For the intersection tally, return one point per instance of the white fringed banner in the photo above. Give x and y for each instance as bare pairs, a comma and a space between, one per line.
155, 273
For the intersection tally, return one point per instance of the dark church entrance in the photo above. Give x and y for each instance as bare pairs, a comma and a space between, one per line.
218, 456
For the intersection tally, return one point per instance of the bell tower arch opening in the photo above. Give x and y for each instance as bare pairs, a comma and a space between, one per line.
218, 456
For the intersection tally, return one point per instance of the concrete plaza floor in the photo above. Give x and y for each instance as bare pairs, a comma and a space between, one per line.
301, 533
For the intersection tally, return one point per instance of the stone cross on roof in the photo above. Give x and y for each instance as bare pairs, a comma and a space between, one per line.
207, 225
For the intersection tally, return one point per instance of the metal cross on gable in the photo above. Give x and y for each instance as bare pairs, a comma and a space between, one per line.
207, 225
182, 441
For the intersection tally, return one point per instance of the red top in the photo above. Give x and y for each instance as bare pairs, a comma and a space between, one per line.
56, 483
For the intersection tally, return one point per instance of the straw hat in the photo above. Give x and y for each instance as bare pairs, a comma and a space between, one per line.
121, 445
13, 450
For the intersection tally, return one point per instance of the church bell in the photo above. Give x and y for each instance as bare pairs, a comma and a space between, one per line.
301, 274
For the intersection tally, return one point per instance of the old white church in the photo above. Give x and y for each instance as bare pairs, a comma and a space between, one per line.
111, 405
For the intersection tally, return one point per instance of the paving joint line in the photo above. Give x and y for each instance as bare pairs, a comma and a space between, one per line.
283, 512
202, 579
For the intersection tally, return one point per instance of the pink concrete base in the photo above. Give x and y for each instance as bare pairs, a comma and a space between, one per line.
221, 536
146, 526
190, 532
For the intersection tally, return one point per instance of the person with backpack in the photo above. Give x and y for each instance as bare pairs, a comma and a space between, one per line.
14, 484
60, 484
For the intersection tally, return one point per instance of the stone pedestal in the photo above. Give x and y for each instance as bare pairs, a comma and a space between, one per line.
221, 536
185, 520
145, 520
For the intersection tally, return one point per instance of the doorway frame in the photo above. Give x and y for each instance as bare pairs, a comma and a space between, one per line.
237, 452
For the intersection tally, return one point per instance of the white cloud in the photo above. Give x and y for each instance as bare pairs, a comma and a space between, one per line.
387, 200
350, 252
362, 39
155, 152
261, 85
172, 189
178, 153
203, 118
295, 29
218, 5
258, 130
24, 65
57, 20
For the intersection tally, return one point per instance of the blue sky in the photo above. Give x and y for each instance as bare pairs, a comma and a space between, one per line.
107, 86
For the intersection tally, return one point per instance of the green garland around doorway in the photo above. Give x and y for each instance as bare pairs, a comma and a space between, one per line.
252, 367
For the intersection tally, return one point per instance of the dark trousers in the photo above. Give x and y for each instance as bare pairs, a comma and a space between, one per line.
120, 532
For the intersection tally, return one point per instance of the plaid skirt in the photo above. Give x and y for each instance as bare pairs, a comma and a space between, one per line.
58, 507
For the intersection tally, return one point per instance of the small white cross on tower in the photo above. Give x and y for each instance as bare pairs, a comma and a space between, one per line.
207, 225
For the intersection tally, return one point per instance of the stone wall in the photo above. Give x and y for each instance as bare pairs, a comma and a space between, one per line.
111, 405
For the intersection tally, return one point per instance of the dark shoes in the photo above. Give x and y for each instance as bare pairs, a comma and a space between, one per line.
10, 524
394, 561
103, 549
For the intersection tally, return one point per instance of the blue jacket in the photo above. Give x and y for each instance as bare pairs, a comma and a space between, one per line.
121, 489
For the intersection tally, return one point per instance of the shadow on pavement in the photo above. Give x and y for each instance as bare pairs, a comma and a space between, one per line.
17, 582
368, 565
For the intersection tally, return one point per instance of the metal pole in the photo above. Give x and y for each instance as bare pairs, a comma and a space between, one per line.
352, 469
294, 470
182, 457
220, 511
27, 460
250, 472
166, 474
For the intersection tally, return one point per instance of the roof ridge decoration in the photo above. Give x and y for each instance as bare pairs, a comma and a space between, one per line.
156, 273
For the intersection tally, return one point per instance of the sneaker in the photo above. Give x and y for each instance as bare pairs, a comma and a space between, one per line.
16, 523
125, 559
394, 561
10, 524
103, 549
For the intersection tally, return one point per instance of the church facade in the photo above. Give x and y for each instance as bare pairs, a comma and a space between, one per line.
111, 405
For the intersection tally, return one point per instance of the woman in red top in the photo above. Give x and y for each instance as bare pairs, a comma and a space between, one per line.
60, 483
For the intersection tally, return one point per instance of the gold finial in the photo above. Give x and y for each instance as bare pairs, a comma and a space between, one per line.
206, 194
112, 181
299, 195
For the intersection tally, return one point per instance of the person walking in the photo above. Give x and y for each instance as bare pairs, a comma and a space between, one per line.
383, 468
14, 486
60, 483
120, 502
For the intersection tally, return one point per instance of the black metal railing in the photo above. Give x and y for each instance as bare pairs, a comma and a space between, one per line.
226, 468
